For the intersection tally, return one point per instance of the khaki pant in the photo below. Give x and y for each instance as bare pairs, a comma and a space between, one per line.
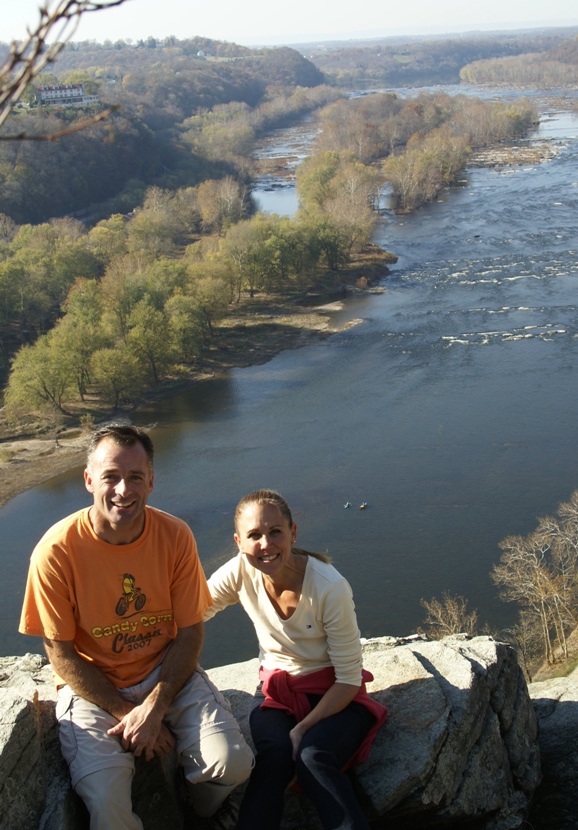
210, 746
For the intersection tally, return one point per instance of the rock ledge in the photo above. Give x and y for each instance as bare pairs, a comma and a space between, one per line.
460, 748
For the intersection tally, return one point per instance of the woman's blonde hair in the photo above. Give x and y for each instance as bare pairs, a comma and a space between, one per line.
275, 499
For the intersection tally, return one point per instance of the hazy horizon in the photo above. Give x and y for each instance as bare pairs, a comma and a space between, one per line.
253, 25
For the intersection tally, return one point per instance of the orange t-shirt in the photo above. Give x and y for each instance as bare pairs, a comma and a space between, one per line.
120, 604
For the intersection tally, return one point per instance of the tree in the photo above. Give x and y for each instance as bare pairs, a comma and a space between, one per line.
107, 239
212, 295
42, 379
524, 577
332, 244
540, 572
26, 280
427, 166
162, 279
336, 188
243, 246
117, 374
221, 202
148, 339
28, 59
350, 208
449, 615
41, 265
8, 229
526, 638
151, 233
315, 180
122, 287
302, 249
80, 76
186, 327
79, 333
15, 297
165, 219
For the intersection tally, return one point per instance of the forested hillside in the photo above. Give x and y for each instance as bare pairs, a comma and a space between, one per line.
190, 110
96, 314
425, 61
107, 312
556, 67
157, 86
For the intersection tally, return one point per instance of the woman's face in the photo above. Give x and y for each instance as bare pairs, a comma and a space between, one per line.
265, 536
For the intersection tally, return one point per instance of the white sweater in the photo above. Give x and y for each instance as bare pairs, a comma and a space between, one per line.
321, 632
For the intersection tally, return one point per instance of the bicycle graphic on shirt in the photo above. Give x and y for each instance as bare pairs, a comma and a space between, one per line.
130, 594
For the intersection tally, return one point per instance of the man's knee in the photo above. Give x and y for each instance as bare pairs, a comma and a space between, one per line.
107, 795
224, 757
240, 761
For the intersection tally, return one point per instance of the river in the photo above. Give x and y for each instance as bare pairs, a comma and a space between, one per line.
452, 410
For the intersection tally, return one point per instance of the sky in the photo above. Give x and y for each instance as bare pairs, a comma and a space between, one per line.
264, 22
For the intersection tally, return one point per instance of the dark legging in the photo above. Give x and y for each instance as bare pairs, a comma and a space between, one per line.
324, 750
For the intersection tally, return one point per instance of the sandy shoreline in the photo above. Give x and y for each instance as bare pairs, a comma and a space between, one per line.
28, 462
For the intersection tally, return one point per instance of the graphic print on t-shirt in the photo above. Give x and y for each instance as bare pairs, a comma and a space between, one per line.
137, 625
130, 594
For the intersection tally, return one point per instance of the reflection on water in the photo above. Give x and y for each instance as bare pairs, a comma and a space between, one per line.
281, 200
452, 410
288, 148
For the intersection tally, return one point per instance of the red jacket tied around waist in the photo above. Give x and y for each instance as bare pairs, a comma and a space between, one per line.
289, 692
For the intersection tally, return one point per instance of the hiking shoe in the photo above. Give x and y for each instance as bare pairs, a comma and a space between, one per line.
225, 818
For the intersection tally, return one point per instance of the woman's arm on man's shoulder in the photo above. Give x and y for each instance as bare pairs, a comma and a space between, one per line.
225, 585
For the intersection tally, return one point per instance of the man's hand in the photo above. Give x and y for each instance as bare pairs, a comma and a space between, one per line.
141, 732
140, 728
84, 678
165, 741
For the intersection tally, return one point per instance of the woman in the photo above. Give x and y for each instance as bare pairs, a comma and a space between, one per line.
312, 716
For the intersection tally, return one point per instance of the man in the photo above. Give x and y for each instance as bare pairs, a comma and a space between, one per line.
118, 594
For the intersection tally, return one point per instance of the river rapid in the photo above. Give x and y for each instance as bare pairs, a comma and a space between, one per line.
452, 410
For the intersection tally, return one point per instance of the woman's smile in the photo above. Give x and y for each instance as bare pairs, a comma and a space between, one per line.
266, 538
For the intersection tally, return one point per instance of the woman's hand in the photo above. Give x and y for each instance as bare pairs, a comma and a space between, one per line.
336, 698
296, 736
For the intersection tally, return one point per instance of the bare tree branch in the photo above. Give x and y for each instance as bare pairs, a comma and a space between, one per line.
102, 116
448, 616
59, 20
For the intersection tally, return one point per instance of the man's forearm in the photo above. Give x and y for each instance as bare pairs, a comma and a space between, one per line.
178, 665
141, 729
85, 679
89, 682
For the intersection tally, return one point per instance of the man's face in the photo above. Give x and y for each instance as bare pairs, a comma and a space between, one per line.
120, 480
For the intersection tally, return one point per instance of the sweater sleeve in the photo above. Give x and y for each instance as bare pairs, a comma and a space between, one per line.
343, 636
224, 586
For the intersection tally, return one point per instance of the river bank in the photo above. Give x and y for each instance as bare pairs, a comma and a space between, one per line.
27, 462
251, 334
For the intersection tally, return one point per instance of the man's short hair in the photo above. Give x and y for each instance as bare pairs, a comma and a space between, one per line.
126, 435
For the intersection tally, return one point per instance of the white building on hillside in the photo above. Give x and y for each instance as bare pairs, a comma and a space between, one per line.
67, 95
